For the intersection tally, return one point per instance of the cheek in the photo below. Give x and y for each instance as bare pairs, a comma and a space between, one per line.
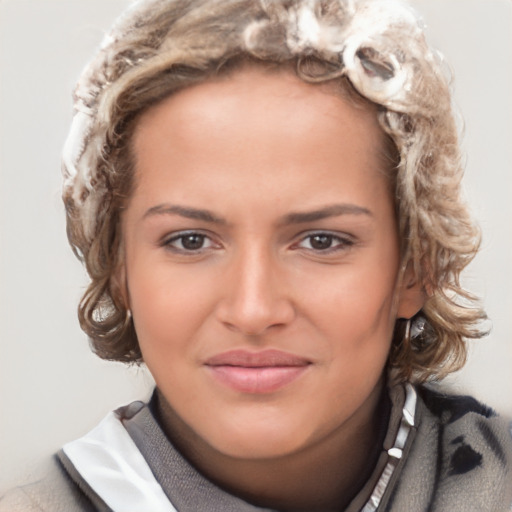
355, 310
357, 329
167, 306
356, 300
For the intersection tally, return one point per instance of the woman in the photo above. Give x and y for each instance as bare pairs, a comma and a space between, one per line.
266, 198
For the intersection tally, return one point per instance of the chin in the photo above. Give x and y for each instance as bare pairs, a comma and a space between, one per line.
264, 440
258, 447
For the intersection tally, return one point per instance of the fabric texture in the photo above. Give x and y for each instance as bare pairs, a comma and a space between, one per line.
460, 461
114, 468
56, 491
458, 458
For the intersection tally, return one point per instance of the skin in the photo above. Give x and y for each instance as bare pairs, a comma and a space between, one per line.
256, 150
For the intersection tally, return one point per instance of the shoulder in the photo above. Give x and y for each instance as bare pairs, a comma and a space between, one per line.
471, 435
53, 491
450, 408
461, 453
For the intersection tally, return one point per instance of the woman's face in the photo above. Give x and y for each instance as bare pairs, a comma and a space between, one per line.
261, 260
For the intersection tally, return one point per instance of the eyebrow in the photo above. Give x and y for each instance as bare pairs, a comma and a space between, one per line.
188, 212
334, 210
184, 211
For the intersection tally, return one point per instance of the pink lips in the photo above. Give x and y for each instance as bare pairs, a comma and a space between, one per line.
257, 372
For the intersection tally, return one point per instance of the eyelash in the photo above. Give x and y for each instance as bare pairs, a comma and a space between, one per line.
168, 242
342, 242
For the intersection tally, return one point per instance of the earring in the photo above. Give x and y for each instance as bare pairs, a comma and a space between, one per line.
418, 327
406, 341
421, 334
127, 318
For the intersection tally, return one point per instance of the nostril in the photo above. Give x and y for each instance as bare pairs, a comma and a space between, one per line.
256, 320
255, 298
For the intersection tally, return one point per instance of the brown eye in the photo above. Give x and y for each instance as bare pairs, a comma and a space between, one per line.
192, 242
325, 242
188, 242
321, 242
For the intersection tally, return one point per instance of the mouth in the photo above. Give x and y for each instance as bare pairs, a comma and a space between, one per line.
257, 372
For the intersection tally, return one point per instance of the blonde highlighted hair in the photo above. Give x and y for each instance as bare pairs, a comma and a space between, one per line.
374, 50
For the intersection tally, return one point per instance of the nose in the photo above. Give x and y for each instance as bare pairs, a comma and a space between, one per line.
255, 297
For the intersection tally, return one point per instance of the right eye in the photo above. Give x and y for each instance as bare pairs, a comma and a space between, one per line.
189, 242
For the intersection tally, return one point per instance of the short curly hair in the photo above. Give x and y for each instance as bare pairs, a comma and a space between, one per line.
374, 49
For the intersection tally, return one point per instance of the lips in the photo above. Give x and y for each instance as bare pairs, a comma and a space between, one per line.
256, 372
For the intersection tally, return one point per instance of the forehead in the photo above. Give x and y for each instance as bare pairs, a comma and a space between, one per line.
255, 96
268, 130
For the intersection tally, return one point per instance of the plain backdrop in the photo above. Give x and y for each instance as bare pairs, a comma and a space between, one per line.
52, 389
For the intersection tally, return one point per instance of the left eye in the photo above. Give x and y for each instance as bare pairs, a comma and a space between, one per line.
188, 242
324, 242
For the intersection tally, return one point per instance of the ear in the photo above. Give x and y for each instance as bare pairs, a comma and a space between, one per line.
412, 294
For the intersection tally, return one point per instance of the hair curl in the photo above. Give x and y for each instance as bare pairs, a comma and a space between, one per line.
374, 49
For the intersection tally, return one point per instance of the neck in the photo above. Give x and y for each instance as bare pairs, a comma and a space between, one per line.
323, 477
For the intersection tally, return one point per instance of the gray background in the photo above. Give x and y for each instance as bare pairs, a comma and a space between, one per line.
52, 389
